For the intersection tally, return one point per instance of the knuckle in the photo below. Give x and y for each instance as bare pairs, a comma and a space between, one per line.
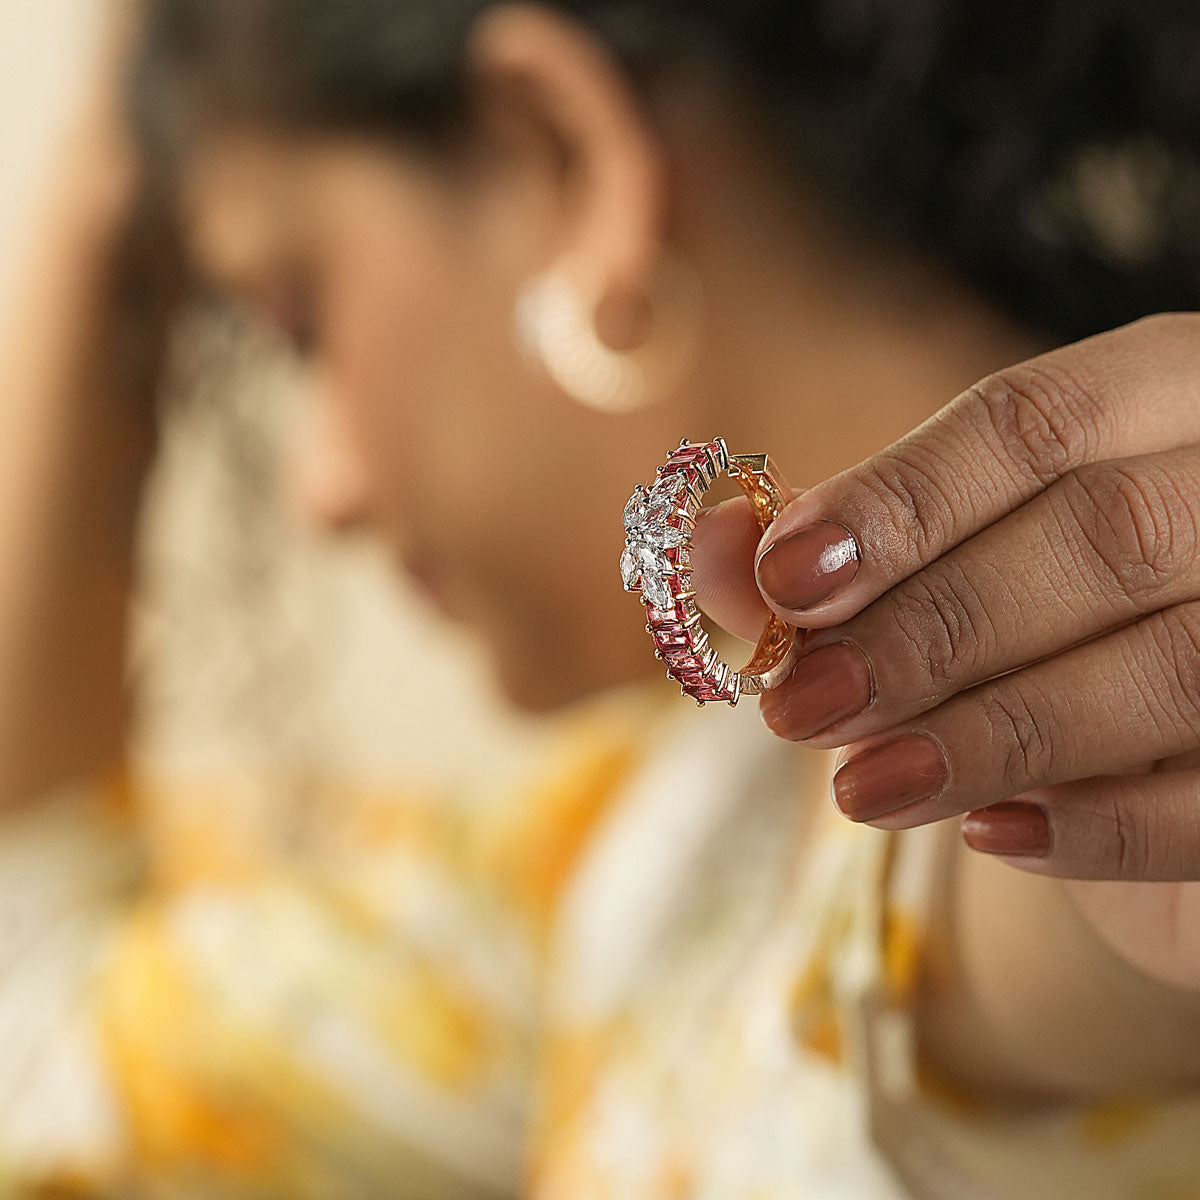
1172, 834
1022, 734
1146, 837
1044, 418
1135, 522
1178, 637
1128, 841
1107, 839
921, 509
944, 624
1143, 840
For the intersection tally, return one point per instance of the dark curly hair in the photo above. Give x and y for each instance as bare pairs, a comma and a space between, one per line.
1046, 149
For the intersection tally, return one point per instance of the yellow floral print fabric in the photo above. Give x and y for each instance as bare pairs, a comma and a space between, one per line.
657, 966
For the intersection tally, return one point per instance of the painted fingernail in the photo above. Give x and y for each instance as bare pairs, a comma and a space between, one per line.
1014, 827
889, 776
808, 567
827, 685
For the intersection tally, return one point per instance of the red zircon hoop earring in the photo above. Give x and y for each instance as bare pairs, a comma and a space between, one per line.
659, 523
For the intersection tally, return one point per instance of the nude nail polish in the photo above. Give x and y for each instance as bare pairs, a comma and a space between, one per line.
890, 775
810, 566
1014, 827
827, 686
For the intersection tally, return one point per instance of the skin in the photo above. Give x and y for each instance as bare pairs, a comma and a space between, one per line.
395, 275
76, 437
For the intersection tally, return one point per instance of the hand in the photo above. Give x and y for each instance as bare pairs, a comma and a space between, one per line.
1003, 609
80, 362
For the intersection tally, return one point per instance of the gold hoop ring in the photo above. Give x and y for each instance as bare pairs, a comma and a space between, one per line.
659, 523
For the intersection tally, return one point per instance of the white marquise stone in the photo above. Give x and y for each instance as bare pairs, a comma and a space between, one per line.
636, 510
651, 560
629, 569
655, 589
669, 485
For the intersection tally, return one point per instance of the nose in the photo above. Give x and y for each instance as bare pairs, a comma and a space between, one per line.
325, 478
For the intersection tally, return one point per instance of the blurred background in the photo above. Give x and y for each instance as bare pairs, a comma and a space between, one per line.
259, 645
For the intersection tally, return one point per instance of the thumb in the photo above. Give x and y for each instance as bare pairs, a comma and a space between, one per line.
723, 549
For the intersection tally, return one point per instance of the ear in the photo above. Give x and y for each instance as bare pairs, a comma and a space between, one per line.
561, 79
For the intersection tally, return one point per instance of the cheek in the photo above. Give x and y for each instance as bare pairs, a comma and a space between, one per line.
466, 449
419, 350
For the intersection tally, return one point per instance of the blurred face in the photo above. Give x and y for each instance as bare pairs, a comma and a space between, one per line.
395, 279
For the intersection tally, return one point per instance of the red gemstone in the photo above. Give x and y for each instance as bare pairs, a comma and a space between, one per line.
688, 471
672, 641
677, 614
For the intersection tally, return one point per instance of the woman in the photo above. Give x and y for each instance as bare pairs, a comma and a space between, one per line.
803, 228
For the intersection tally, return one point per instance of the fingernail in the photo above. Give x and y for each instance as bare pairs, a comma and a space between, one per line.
889, 776
827, 686
908, 816
806, 568
1014, 827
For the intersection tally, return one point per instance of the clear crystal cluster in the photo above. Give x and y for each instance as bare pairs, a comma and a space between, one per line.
648, 536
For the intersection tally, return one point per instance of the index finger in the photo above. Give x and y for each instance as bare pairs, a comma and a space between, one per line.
844, 543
